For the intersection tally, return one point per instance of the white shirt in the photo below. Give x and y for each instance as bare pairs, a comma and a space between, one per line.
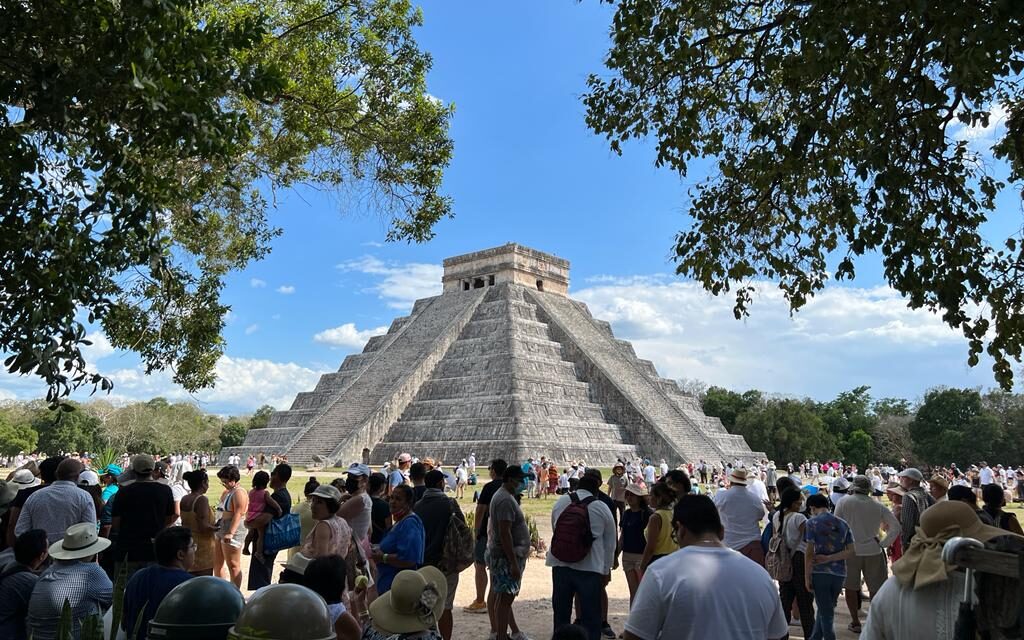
929, 613
602, 525
741, 511
865, 517
987, 477
664, 469
649, 474
681, 598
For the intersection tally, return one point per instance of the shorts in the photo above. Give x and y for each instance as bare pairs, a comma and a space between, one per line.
453, 585
873, 568
237, 541
501, 579
479, 551
631, 561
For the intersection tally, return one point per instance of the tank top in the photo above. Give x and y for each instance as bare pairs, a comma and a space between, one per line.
360, 523
664, 544
341, 537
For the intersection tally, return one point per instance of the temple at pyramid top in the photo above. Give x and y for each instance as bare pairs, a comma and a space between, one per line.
502, 364
508, 263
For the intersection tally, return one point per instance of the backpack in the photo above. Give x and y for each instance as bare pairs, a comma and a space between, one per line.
572, 538
779, 559
457, 552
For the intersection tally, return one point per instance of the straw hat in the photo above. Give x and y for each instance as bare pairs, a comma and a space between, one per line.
414, 603
738, 476
637, 490
940, 481
80, 541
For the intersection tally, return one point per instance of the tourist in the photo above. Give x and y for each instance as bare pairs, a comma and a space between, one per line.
790, 521
47, 475
649, 473
402, 546
595, 474
865, 517
327, 576
197, 516
175, 552
380, 512
417, 476
162, 473
508, 546
56, 505
436, 510
632, 541
461, 480
411, 609
330, 535
679, 482
552, 472
89, 482
741, 512
141, 509
260, 503
400, 475
921, 599
584, 578
677, 600
995, 499
75, 579
231, 510
914, 502
483, 503
18, 579
830, 544
659, 526
938, 487
967, 496
357, 510
262, 562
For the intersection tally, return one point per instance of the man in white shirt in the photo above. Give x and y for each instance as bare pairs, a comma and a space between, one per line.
985, 475
677, 599
649, 473
587, 577
664, 467
741, 512
865, 517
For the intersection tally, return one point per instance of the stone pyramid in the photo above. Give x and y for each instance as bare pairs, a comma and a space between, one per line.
501, 364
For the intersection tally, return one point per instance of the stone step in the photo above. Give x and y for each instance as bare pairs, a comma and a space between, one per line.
504, 405
516, 451
504, 383
608, 434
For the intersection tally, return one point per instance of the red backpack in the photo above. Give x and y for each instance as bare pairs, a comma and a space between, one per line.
572, 539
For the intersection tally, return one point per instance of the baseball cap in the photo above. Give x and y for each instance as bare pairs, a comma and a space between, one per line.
327, 492
514, 472
841, 483
88, 478
405, 457
912, 473
861, 484
358, 469
143, 463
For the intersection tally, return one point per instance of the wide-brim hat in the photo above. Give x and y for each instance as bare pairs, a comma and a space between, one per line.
738, 476
637, 490
953, 513
940, 481
80, 541
8, 491
618, 465
24, 479
414, 603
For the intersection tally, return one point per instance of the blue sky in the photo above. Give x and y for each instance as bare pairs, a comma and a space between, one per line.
526, 169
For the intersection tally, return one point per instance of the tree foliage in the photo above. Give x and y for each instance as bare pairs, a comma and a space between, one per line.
952, 425
833, 127
260, 419
16, 437
232, 434
727, 405
66, 430
144, 141
786, 429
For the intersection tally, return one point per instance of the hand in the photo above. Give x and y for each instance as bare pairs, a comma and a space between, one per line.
376, 555
767, 504
514, 571
807, 585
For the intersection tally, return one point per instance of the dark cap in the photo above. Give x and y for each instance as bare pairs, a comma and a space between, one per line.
433, 477
513, 472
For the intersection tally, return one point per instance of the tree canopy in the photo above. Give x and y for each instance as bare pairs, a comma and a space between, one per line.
144, 143
834, 132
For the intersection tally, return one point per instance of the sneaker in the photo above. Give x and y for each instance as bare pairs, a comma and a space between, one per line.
519, 635
607, 631
476, 607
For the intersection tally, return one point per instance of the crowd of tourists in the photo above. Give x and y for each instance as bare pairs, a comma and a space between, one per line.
708, 550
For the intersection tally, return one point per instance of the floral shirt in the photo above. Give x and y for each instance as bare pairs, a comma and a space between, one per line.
829, 535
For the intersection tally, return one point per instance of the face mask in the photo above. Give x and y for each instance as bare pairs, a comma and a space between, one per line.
352, 484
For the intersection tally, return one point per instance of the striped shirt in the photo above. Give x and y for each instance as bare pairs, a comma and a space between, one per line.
54, 508
84, 585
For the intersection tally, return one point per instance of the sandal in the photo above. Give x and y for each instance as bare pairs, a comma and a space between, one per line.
854, 627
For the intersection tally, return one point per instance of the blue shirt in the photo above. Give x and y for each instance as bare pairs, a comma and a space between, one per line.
829, 535
406, 541
147, 588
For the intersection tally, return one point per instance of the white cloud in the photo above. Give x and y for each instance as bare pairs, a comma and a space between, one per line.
251, 329
7, 395
371, 243
402, 284
256, 283
842, 338
286, 289
347, 335
100, 347
981, 138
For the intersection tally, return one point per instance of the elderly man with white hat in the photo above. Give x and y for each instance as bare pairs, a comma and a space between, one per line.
915, 501
741, 511
74, 577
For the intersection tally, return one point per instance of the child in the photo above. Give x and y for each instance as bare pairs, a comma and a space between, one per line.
260, 502
829, 545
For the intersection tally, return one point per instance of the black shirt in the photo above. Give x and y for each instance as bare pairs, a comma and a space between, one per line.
284, 500
23, 494
486, 494
379, 513
143, 507
436, 510
417, 493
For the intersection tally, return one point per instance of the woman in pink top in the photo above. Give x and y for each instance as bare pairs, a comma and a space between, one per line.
331, 535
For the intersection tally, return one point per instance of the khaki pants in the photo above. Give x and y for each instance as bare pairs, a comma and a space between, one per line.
872, 568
